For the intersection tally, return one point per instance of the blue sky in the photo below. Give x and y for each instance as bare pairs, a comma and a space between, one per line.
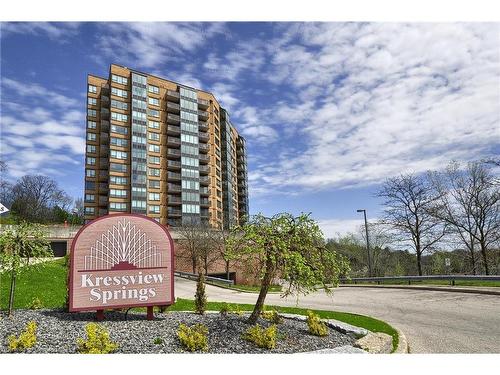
329, 109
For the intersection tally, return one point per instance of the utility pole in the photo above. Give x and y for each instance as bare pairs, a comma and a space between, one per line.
370, 273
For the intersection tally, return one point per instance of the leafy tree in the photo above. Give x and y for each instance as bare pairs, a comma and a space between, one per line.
291, 248
200, 297
18, 246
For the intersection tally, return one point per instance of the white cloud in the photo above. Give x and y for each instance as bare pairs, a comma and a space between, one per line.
332, 228
57, 31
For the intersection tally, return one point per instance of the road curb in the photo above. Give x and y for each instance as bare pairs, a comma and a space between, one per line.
438, 289
403, 347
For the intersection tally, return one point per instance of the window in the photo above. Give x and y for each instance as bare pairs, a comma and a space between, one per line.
154, 196
89, 210
119, 117
119, 79
189, 116
139, 92
153, 101
154, 172
139, 115
154, 89
189, 161
118, 104
89, 185
89, 197
154, 124
90, 173
139, 104
119, 129
141, 205
91, 124
118, 92
118, 154
190, 173
92, 101
187, 104
154, 184
92, 89
117, 206
191, 208
154, 136
119, 142
191, 150
154, 209
190, 196
154, 159
139, 79
117, 167
119, 193
154, 113
140, 140
137, 128
139, 191
193, 128
91, 161
187, 184
117, 180
154, 148
188, 93
92, 112
189, 138
91, 149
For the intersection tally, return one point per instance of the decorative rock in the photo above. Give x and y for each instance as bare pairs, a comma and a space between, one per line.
375, 343
347, 349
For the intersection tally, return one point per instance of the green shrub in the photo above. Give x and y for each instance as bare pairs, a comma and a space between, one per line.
193, 338
158, 341
272, 316
262, 337
316, 326
224, 309
238, 311
98, 341
27, 338
36, 304
200, 298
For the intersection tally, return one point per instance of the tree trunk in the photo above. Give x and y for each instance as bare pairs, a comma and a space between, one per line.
419, 263
12, 288
266, 281
206, 265
194, 265
227, 269
485, 257
472, 256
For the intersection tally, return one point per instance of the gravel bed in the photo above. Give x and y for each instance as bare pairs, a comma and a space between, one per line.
58, 331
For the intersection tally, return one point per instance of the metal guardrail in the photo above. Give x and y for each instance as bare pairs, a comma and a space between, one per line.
409, 279
194, 276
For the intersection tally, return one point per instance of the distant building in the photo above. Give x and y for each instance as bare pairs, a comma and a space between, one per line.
162, 149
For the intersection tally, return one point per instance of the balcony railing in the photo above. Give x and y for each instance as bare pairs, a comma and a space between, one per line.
204, 158
105, 126
202, 103
173, 107
204, 147
204, 190
173, 176
174, 200
103, 187
103, 200
204, 202
104, 138
103, 175
204, 180
173, 187
174, 141
203, 115
173, 95
173, 164
203, 137
203, 126
174, 212
173, 119
172, 129
104, 163
204, 169
103, 151
172, 152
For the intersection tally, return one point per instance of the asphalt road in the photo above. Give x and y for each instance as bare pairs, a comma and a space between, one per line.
433, 321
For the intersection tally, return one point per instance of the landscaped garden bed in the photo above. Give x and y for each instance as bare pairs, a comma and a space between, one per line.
58, 332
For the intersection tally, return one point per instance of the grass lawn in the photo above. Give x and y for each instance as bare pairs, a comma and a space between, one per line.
438, 282
246, 288
48, 283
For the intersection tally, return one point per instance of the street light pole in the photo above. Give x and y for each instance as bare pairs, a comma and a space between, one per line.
367, 245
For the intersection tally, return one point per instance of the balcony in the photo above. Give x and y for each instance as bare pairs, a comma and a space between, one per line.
104, 138
204, 147
204, 213
104, 99
173, 119
103, 151
103, 200
203, 104
173, 107
174, 142
174, 200
240, 151
203, 115
173, 153
173, 130
204, 191
103, 175
174, 222
174, 164
204, 169
204, 180
204, 159
203, 137
203, 126
173, 176
173, 188
103, 211
104, 163
103, 188
173, 212
105, 126
104, 113
173, 96
204, 202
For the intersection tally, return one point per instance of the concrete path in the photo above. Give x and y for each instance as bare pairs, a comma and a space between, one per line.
433, 321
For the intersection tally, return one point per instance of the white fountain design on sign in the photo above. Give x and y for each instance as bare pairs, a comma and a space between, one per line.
123, 247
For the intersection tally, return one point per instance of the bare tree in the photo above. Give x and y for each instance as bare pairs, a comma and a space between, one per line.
199, 245
34, 197
408, 200
379, 238
5, 186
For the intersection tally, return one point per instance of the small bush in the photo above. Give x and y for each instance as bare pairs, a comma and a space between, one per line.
158, 341
272, 316
224, 310
193, 338
238, 311
200, 298
98, 341
262, 337
36, 304
26, 340
316, 326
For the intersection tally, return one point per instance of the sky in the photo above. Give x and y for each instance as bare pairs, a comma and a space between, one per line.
329, 110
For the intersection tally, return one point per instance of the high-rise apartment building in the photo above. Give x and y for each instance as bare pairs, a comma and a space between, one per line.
162, 149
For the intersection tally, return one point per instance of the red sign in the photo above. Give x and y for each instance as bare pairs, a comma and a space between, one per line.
124, 260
